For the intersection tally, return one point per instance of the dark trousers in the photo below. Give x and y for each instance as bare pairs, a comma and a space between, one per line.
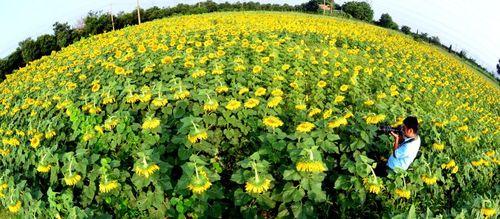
382, 169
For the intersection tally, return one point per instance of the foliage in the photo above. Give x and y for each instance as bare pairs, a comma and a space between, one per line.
359, 10
405, 29
241, 115
386, 21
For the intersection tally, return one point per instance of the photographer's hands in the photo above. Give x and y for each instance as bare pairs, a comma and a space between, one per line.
396, 140
395, 135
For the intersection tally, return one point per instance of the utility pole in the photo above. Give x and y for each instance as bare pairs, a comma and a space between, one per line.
111, 14
332, 6
138, 12
324, 5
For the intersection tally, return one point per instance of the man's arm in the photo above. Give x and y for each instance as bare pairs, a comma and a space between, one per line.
396, 143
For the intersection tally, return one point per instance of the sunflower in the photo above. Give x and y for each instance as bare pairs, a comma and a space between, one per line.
181, 95
438, 146
402, 193
146, 169
273, 122
313, 112
251, 103
243, 90
344, 87
327, 114
35, 141
448, 165
210, 106
108, 99
110, 123
260, 91
43, 168
132, 98
233, 105
490, 153
221, 89
277, 92
321, 84
159, 102
198, 73
145, 97
72, 179
15, 208
274, 101
150, 123
337, 122
372, 185
95, 87
257, 186
49, 134
199, 183
167, 60
488, 212
300, 107
429, 180
374, 119
4, 152
310, 166
374, 188
369, 102
257, 69
305, 127
108, 186
198, 136
339, 99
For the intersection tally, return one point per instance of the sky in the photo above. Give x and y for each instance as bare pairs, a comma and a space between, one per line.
467, 25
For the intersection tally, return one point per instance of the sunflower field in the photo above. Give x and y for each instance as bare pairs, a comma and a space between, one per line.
246, 115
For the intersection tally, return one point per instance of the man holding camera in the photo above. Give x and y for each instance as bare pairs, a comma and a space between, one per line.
405, 147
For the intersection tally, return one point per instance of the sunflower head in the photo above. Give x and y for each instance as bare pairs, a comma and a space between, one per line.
199, 183
257, 186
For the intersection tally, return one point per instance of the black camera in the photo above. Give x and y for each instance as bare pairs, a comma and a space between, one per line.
387, 129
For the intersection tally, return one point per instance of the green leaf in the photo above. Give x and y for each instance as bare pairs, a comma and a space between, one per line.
241, 198
365, 137
291, 175
282, 211
411, 213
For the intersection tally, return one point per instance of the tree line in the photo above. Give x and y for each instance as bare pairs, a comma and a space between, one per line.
364, 12
98, 22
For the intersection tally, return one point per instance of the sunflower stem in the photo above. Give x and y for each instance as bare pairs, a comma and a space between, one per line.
194, 125
373, 172
254, 165
196, 171
311, 155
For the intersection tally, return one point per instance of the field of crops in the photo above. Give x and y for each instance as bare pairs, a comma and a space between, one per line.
243, 114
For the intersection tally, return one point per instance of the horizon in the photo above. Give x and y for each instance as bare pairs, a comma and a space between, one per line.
462, 32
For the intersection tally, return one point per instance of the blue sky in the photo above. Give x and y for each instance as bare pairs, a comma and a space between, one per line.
469, 25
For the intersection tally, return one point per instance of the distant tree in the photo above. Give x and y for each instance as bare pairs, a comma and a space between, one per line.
435, 40
96, 23
337, 6
311, 6
387, 22
359, 10
30, 50
64, 34
405, 29
11, 62
498, 67
462, 54
450, 48
47, 43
